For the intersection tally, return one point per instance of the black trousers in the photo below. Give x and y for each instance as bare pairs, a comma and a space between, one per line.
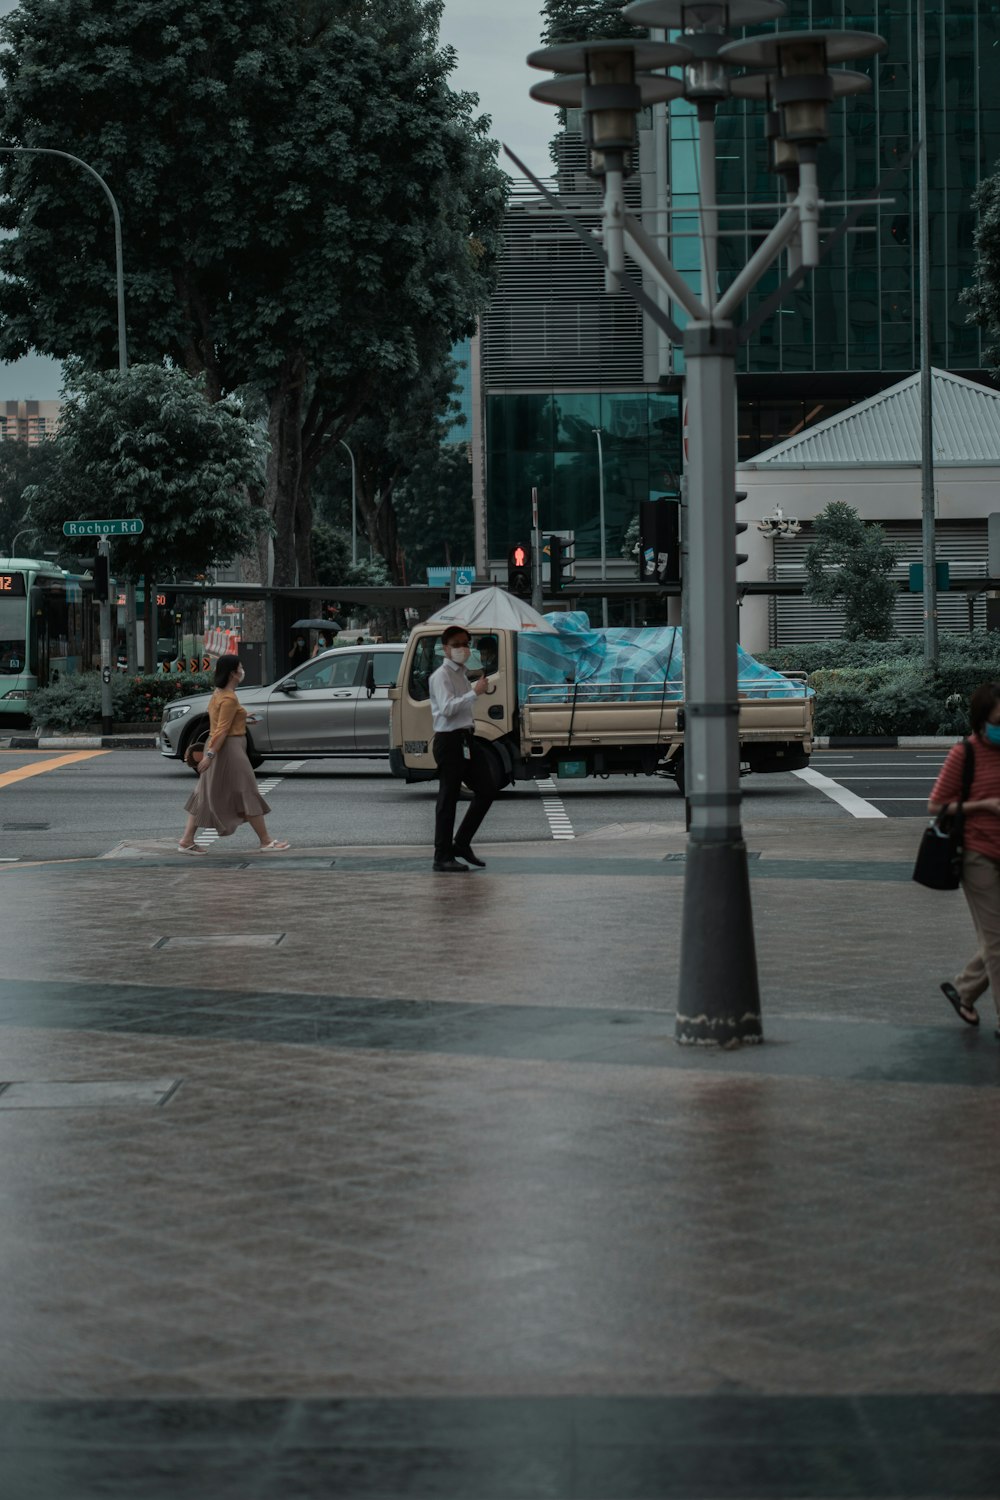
453, 769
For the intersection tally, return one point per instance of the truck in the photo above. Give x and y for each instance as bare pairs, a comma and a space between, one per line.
584, 702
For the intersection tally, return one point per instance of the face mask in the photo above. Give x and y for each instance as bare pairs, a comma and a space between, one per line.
459, 654
991, 733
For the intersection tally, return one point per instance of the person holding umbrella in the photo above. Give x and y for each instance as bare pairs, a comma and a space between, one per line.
458, 759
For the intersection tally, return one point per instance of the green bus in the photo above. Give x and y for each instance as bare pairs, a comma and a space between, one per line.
49, 628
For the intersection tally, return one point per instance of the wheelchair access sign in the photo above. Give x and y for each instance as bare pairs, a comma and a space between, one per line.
128, 526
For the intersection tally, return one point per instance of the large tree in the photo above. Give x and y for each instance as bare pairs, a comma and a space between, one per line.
147, 444
308, 207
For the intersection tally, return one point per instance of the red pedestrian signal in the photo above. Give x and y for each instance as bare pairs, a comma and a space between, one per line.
519, 570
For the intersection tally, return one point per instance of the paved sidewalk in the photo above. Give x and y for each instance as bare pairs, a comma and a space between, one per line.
323, 1176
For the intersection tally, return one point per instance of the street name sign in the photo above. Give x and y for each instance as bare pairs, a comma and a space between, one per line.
131, 526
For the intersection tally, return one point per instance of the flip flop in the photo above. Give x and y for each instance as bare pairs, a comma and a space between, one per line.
273, 846
959, 1006
191, 849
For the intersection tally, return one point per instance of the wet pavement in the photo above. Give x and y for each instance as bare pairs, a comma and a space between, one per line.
322, 1176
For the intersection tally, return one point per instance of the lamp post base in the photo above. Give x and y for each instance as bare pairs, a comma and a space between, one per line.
719, 999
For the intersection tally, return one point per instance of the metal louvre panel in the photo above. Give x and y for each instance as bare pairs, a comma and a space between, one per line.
550, 322
961, 545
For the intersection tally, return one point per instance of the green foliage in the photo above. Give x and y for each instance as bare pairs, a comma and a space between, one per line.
148, 444
308, 207
880, 688
434, 511
983, 297
73, 704
849, 564
580, 20
22, 466
332, 560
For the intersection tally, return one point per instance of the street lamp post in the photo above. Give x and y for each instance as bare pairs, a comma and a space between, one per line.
354, 504
130, 607
718, 1000
604, 538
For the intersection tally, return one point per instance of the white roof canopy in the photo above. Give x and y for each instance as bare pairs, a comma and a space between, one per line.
885, 429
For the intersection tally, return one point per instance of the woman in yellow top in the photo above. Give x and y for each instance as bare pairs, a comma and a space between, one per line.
227, 792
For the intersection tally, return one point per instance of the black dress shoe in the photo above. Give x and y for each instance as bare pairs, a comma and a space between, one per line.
470, 858
449, 867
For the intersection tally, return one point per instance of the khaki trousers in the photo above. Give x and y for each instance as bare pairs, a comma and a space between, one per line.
981, 884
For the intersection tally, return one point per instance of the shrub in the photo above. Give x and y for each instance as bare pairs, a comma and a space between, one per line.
74, 703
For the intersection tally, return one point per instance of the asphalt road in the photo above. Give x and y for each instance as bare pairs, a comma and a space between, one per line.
82, 804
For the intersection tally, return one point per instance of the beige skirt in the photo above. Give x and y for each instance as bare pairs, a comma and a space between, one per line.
227, 792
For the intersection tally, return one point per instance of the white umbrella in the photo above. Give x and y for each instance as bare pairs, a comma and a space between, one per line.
491, 609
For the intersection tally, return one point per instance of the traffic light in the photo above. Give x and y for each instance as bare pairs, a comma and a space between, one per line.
519, 570
659, 541
102, 583
741, 526
555, 563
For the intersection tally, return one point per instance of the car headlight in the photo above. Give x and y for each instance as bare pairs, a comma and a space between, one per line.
176, 711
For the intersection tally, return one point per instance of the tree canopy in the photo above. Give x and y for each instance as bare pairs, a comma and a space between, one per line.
147, 444
580, 20
849, 564
983, 296
307, 206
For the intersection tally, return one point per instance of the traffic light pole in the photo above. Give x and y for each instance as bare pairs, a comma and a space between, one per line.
719, 998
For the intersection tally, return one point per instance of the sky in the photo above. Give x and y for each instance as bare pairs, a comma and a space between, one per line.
492, 41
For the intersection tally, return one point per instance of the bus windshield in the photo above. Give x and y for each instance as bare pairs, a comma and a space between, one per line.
12, 640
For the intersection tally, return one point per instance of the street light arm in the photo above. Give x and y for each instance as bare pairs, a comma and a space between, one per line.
768, 251
119, 255
649, 257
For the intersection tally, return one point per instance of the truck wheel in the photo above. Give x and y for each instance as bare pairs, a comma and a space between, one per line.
498, 773
196, 738
677, 770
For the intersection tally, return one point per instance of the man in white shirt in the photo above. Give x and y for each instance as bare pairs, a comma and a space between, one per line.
452, 698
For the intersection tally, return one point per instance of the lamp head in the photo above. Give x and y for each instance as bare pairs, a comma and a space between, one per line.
707, 25
802, 87
614, 86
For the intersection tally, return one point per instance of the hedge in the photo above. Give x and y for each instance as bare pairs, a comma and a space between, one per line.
74, 703
879, 687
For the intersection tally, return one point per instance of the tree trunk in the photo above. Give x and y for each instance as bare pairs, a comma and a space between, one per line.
284, 470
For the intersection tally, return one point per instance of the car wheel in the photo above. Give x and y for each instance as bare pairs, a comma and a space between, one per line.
195, 739
491, 758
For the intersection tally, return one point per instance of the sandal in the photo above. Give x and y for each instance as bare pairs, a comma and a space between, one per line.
191, 849
273, 846
966, 1013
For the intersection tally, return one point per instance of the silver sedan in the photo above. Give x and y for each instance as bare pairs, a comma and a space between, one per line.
335, 704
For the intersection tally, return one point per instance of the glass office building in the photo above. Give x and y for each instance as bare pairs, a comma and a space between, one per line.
853, 327
561, 359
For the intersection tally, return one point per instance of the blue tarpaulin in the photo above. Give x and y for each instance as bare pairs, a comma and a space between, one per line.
641, 663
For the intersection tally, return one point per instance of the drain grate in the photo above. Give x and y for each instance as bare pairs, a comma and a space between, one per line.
24, 827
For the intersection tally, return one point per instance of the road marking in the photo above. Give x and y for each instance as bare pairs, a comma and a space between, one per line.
849, 801
8, 778
552, 804
294, 765
927, 776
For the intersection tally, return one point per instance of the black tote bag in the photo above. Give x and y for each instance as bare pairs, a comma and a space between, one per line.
939, 857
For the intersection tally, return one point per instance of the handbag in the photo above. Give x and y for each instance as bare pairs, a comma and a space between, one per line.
939, 857
253, 756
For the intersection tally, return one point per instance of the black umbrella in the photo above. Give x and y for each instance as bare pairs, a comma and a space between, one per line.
329, 625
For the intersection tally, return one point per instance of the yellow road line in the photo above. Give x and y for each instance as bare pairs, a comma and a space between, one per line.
7, 778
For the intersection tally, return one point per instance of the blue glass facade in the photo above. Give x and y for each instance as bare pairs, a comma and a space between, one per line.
549, 442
